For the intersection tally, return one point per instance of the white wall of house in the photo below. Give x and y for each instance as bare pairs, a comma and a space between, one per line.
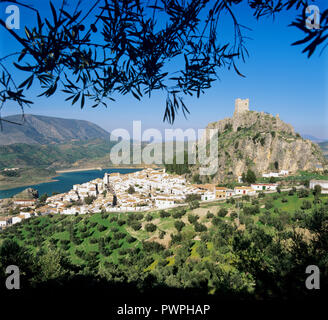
26, 215
322, 183
264, 187
270, 174
242, 191
15, 220
207, 196
69, 211
3, 223
162, 204
230, 193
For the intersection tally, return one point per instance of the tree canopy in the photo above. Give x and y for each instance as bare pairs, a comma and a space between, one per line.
95, 51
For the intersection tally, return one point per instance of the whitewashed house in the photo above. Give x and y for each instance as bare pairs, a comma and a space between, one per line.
322, 183
264, 186
208, 196
3, 222
25, 215
163, 203
244, 191
70, 211
270, 174
24, 202
15, 220
281, 173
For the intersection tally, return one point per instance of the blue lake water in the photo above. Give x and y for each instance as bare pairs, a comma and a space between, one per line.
65, 181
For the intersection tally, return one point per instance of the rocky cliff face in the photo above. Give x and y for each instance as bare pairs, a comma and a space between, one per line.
261, 142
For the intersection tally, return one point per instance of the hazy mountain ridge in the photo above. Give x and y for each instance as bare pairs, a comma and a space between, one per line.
35, 129
313, 138
324, 148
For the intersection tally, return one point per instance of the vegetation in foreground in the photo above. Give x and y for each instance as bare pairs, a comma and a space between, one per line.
244, 248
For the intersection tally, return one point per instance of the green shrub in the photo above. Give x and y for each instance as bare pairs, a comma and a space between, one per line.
233, 215
302, 193
89, 199
192, 218
135, 225
194, 204
199, 227
222, 212
268, 205
130, 239
149, 217
150, 227
178, 214
209, 215
102, 228
306, 205
179, 225
176, 238
164, 214
121, 222
131, 190
119, 235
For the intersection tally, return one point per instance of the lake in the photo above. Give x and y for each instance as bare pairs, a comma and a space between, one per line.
65, 181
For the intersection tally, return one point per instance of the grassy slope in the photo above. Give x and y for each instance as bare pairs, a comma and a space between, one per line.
27, 176
55, 227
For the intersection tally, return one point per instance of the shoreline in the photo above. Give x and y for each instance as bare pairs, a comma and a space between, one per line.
47, 180
77, 170
58, 172
98, 168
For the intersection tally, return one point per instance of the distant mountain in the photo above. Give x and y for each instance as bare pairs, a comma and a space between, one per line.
324, 148
312, 138
35, 129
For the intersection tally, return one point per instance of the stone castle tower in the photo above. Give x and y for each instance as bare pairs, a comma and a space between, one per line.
241, 105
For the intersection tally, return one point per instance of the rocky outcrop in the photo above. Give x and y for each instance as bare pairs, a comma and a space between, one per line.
27, 194
261, 142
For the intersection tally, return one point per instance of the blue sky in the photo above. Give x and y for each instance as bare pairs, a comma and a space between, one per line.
279, 79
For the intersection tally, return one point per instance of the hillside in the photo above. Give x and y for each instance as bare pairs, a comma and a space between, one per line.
181, 248
36, 129
38, 163
61, 155
261, 142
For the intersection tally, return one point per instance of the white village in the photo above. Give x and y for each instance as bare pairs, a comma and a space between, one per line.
145, 190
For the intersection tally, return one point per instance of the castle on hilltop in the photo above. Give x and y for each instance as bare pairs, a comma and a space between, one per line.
241, 105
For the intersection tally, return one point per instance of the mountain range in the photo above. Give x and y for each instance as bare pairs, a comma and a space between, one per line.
314, 139
35, 129
251, 138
